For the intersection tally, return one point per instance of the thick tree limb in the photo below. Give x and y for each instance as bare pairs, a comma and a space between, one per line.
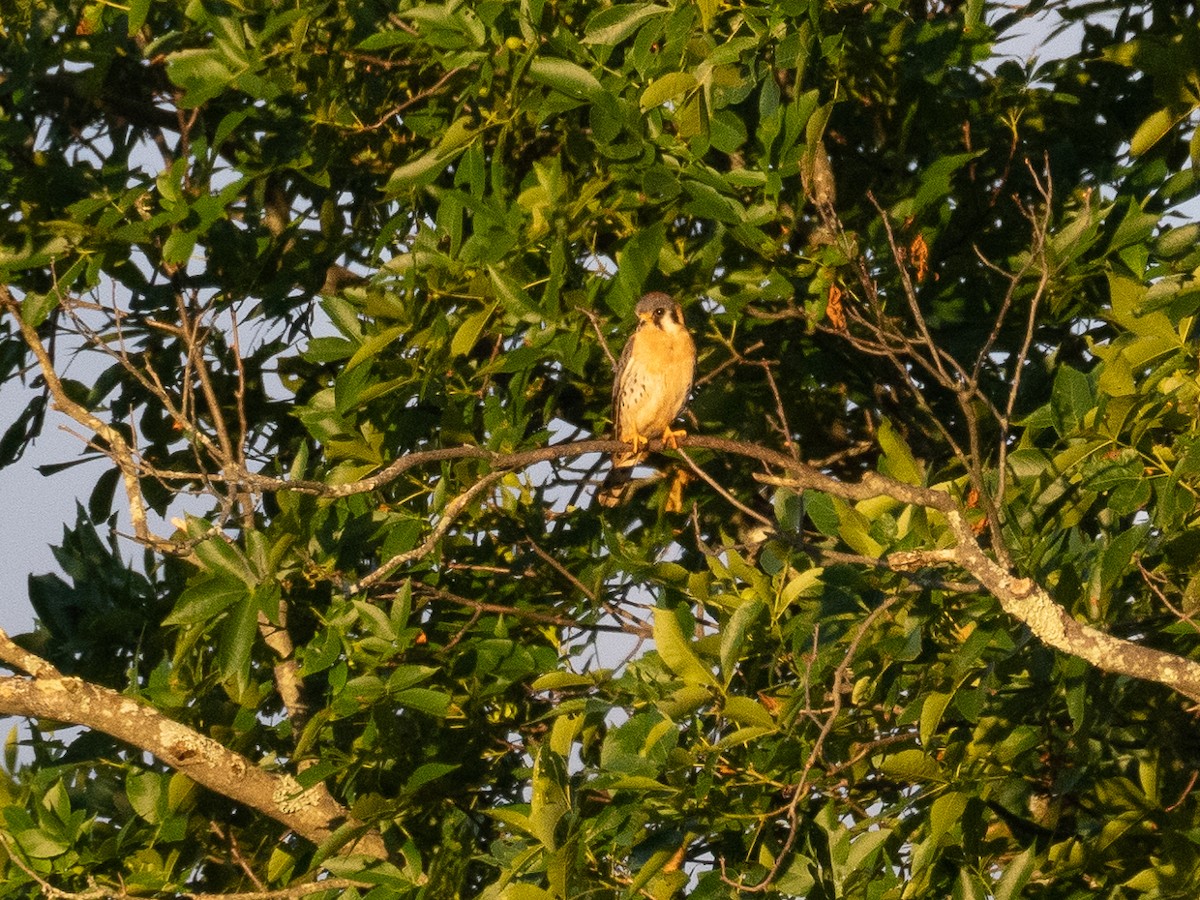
1019, 597
312, 814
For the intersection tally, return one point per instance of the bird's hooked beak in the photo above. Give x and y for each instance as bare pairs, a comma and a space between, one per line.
646, 317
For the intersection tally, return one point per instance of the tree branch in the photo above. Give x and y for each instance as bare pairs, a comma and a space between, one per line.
312, 814
841, 687
116, 446
1020, 597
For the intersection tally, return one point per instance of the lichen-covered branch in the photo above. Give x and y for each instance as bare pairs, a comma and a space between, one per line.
310, 813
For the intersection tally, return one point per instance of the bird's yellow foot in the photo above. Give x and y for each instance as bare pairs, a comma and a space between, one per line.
638, 443
671, 438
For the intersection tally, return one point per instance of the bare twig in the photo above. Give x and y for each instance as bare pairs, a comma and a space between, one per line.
936, 354
729, 498
452, 511
841, 686
95, 892
1021, 597
784, 427
560, 569
1183, 796
295, 892
595, 320
99, 892
913, 565
116, 447
1180, 614
414, 99
529, 615
235, 853
1041, 228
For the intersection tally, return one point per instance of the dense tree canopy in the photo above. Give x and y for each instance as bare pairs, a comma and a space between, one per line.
332, 290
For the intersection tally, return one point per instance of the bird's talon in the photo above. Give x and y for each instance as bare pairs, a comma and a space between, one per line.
671, 438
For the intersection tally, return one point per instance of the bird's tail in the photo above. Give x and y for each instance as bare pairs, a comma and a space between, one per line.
612, 489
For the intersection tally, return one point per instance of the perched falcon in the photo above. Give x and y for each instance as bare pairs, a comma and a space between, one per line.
651, 385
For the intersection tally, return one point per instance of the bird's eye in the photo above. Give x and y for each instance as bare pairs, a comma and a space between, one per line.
659, 312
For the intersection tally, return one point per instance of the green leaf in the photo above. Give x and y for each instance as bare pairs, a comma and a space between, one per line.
328, 349
686, 700
676, 651
733, 636
745, 711
610, 26
969, 886
727, 131
236, 642
937, 182
806, 582
431, 702
910, 765
566, 76
1154, 128
362, 691
637, 783
1016, 875
514, 297
707, 202
372, 346
146, 795
1119, 555
822, 512
205, 600
931, 714
138, 10
898, 461
40, 845
427, 773
562, 736
557, 681
456, 137
523, 891
666, 88
201, 72
946, 814
863, 850
36, 307
345, 317
280, 863
1072, 399
746, 735
219, 557
468, 332
416, 173
855, 529
407, 676
422, 170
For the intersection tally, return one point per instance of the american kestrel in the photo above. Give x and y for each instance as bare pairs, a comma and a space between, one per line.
652, 382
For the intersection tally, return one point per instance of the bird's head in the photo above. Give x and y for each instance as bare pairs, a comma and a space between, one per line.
659, 310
